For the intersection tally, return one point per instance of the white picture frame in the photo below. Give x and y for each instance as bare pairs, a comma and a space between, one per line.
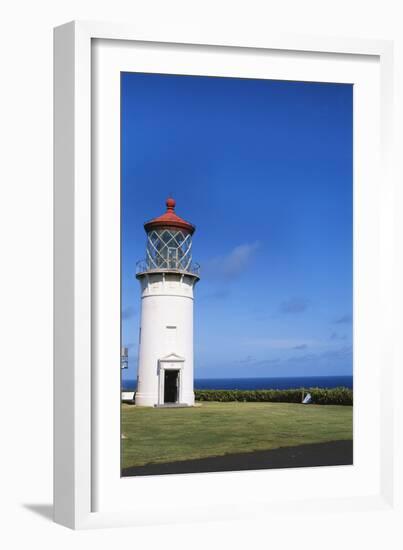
84, 430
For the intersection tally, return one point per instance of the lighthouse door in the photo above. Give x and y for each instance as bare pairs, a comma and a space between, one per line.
171, 386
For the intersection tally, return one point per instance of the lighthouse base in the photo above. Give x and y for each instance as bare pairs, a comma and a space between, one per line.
172, 406
151, 400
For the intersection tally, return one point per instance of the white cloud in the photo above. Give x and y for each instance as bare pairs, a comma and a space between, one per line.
233, 263
279, 343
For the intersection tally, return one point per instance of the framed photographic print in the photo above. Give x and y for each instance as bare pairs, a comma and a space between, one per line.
222, 331
272, 300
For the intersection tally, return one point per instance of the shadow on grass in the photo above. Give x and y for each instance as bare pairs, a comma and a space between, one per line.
333, 453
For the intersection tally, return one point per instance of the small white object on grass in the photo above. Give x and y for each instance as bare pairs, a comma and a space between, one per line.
307, 399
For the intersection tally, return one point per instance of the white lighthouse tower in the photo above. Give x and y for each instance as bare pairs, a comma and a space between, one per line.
167, 277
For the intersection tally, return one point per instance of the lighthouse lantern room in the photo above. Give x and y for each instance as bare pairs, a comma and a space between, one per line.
167, 277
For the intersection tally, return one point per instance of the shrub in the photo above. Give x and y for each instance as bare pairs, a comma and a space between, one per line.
320, 396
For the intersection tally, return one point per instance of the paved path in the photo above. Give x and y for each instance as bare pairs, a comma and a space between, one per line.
335, 453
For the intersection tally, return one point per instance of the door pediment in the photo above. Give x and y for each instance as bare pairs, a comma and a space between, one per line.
172, 357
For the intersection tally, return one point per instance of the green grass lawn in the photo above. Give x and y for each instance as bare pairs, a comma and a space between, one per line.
213, 429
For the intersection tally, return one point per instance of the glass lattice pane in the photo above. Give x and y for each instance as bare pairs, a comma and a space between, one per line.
168, 249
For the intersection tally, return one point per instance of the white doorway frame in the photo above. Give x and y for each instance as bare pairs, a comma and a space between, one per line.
171, 362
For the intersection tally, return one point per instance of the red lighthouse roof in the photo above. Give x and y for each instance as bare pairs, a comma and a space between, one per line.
169, 219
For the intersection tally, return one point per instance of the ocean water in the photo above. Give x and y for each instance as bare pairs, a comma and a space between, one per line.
262, 383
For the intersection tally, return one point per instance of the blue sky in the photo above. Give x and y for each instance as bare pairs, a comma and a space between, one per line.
264, 170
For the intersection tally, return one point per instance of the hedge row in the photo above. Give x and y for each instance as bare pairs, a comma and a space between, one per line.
320, 396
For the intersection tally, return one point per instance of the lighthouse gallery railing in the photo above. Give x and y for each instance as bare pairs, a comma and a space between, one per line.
143, 266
